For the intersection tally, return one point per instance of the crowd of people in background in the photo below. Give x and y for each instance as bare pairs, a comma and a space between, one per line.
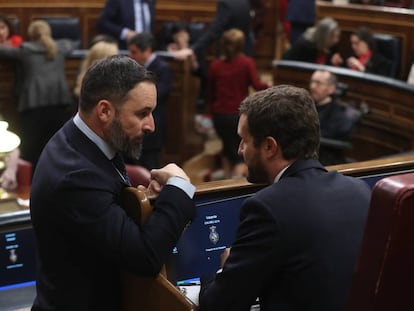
296, 227
45, 101
43, 93
319, 44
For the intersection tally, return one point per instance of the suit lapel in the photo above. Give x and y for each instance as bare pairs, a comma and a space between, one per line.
89, 149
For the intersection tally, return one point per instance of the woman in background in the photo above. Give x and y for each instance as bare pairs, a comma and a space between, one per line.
8, 37
102, 47
317, 45
44, 97
229, 79
366, 58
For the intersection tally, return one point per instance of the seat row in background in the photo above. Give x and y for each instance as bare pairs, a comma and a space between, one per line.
68, 27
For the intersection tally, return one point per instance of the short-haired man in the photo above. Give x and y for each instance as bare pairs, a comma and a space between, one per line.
141, 48
83, 236
334, 123
298, 239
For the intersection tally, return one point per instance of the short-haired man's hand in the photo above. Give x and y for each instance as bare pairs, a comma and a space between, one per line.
129, 35
182, 54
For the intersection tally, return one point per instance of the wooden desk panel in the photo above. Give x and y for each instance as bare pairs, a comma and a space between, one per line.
395, 21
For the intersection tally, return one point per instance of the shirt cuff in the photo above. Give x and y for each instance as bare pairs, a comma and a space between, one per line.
183, 184
124, 33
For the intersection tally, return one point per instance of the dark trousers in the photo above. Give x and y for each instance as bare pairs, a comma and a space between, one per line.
296, 30
37, 127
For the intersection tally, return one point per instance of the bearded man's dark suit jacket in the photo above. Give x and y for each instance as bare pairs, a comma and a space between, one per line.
119, 14
83, 237
229, 14
296, 245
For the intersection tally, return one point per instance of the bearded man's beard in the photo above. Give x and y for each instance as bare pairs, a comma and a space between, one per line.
121, 142
256, 170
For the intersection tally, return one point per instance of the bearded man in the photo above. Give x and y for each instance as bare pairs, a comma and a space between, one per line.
298, 239
84, 238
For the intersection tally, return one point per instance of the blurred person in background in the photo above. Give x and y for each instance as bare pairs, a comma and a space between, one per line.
8, 178
141, 49
229, 14
181, 40
301, 15
229, 79
317, 45
124, 19
44, 96
100, 47
8, 36
366, 58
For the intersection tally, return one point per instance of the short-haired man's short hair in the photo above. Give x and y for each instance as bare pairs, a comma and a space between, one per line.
143, 41
111, 78
332, 79
287, 114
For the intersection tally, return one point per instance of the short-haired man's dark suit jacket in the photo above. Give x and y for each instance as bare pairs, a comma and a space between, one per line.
119, 14
296, 245
229, 14
83, 236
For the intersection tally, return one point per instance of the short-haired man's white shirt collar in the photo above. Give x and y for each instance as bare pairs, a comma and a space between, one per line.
150, 60
278, 176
